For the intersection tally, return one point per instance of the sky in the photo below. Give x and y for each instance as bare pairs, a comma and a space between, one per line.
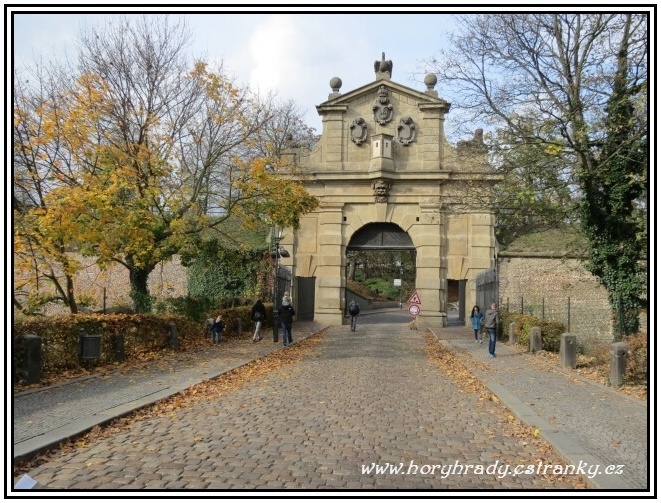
295, 53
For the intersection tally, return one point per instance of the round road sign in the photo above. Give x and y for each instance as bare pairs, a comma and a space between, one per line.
414, 310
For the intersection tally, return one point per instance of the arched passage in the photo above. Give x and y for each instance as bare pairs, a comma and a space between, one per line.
380, 267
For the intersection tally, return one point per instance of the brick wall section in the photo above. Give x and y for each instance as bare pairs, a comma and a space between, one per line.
556, 280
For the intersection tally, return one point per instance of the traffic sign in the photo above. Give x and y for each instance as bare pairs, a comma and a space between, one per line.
414, 299
414, 309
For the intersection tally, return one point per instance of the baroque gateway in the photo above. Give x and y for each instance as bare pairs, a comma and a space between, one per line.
387, 178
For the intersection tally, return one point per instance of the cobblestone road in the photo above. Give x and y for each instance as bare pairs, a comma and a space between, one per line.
359, 398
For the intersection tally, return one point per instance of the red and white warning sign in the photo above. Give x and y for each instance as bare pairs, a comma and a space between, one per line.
414, 299
414, 309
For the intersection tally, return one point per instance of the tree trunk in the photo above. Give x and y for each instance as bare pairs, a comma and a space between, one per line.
138, 277
71, 297
352, 270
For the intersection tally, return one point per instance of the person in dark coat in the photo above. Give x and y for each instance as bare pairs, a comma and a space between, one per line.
286, 313
354, 309
218, 327
258, 315
491, 320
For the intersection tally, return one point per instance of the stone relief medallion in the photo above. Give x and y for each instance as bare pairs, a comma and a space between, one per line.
358, 131
406, 131
381, 191
382, 107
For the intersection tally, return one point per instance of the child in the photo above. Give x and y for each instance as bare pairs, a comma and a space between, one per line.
477, 320
218, 328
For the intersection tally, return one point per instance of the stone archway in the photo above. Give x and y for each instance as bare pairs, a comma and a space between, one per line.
382, 170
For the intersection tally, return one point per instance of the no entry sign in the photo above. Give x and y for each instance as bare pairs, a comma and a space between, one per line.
414, 309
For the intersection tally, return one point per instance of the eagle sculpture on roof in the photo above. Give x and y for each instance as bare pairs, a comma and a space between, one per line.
383, 65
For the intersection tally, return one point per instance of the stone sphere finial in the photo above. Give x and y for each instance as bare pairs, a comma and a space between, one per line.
430, 81
336, 83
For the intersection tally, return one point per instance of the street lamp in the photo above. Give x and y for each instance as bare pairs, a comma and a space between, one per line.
276, 253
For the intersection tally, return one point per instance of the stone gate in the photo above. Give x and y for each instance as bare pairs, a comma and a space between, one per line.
383, 164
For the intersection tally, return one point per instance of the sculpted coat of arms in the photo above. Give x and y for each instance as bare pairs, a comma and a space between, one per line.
406, 131
382, 107
358, 130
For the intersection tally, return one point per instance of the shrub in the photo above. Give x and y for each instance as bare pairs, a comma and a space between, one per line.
61, 335
193, 308
636, 371
551, 330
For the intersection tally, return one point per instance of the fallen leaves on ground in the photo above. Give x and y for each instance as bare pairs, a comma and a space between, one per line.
143, 360
594, 370
510, 425
206, 390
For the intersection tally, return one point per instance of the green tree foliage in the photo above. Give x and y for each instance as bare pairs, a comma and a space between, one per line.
220, 272
574, 85
377, 269
534, 194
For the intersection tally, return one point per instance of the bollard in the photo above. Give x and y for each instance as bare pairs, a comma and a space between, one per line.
535, 339
618, 363
31, 369
513, 338
173, 339
208, 328
90, 346
568, 350
120, 354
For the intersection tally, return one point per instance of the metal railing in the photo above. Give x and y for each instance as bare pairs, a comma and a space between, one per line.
580, 317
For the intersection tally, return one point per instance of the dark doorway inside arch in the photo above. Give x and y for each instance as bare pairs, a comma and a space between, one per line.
381, 272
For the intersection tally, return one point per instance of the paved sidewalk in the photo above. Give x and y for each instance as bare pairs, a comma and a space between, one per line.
585, 421
44, 417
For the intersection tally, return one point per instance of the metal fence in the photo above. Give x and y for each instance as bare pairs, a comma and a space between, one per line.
581, 318
486, 288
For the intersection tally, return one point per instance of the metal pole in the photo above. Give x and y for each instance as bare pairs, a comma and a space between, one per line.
276, 242
568, 314
542, 308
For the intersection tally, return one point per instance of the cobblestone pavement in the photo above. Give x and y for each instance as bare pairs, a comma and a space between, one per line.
583, 419
359, 398
45, 416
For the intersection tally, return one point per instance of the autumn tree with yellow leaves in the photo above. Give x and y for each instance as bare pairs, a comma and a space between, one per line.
135, 154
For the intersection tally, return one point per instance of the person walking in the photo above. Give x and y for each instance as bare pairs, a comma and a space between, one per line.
218, 327
477, 319
491, 321
354, 309
258, 315
286, 313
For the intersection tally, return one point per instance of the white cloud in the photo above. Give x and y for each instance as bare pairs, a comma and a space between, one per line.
271, 45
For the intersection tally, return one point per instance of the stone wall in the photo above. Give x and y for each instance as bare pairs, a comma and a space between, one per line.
169, 279
563, 287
